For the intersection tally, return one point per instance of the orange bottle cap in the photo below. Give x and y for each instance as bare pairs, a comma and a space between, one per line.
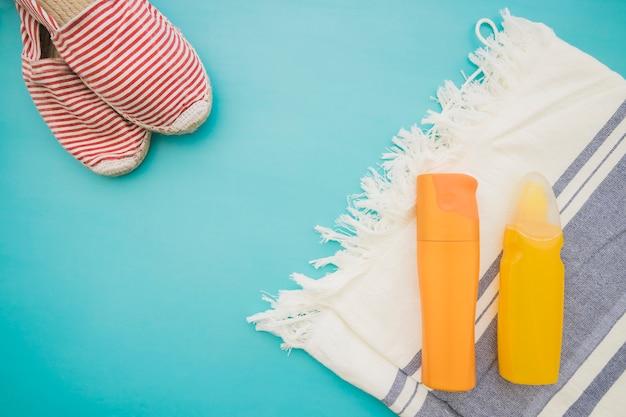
446, 207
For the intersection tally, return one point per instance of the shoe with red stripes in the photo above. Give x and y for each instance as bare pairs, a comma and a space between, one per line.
86, 126
131, 56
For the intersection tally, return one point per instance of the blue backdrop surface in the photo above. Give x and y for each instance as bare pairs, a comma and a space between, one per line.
127, 296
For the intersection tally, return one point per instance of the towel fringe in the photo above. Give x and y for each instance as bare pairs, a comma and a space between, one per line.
388, 193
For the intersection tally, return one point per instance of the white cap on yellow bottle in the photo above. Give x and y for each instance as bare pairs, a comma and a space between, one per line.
535, 213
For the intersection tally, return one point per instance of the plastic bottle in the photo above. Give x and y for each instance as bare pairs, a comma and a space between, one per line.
532, 277
448, 265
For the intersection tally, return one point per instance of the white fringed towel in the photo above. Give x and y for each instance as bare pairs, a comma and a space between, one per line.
535, 104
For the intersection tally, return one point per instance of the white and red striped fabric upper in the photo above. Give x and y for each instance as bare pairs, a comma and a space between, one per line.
130, 55
82, 122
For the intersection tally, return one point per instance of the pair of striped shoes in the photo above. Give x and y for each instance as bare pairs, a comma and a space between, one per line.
110, 75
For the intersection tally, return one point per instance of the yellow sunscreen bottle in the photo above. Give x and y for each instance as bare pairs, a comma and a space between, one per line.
532, 277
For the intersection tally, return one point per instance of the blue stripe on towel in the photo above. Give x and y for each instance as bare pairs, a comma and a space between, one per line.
396, 389
585, 404
434, 407
593, 172
410, 399
590, 149
414, 364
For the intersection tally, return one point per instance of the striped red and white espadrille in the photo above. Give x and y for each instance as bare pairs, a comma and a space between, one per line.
86, 126
131, 56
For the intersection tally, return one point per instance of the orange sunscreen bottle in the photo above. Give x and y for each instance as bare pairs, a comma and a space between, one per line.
532, 278
448, 264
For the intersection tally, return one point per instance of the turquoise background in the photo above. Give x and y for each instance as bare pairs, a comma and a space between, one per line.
127, 296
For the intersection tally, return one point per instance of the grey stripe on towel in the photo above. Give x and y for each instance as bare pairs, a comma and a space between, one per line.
410, 399
396, 389
593, 172
585, 404
434, 407
590, 149
414, 364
